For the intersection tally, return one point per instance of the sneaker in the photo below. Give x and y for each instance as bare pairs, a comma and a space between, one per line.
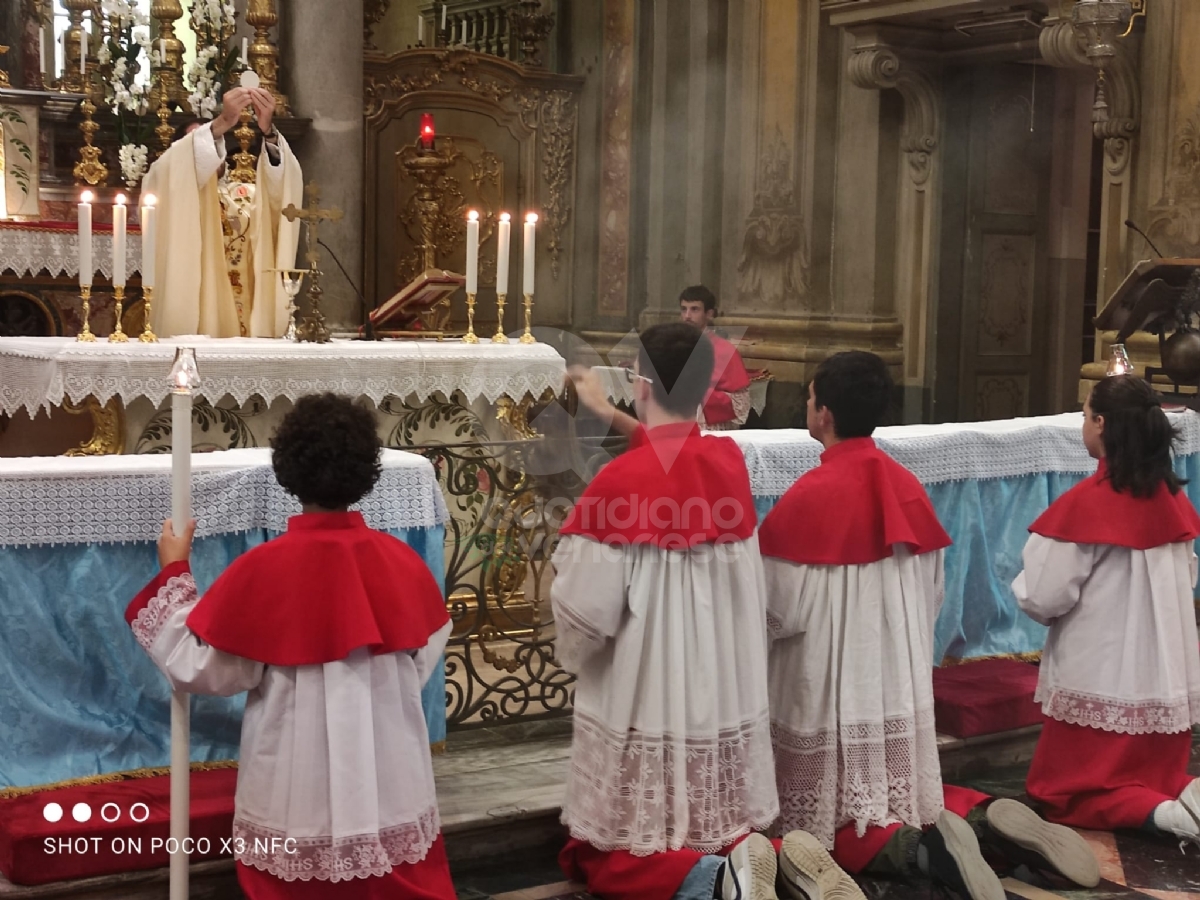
954, 861
1025, 838
749, 871
808, 872
1181, 817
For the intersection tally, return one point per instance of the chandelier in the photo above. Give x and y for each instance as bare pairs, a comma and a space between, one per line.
1101, 23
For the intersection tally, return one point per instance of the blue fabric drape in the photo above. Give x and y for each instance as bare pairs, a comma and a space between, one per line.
79, 696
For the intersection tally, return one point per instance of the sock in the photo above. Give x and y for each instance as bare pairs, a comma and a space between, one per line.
1171, 817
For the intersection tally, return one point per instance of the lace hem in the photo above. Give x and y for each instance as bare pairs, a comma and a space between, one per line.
326, 858
1121, 716
865, 773
647, 793
152, 618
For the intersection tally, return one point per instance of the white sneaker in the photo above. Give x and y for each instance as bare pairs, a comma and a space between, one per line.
808, 872
1181, 817
749, 871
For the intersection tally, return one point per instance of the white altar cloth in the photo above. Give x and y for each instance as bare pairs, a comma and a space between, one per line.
117, 499
39, 372
27, 250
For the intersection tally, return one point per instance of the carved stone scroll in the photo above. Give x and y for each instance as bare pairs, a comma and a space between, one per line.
881, 68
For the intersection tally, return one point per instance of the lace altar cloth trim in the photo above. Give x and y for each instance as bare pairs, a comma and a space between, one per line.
974, 451
327, 858
866, 773
28, 251
38, 372
1121, 716
150, 620
647, 793
114, 499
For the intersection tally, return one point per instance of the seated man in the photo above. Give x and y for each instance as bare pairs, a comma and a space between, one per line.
659, 607
853, 557
727, 403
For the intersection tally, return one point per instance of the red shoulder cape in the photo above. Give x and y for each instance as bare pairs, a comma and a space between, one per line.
852, 510
325, 587
729, 376
672, 488
1093, 512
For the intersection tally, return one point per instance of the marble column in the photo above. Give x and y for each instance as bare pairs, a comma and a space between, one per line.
322, 48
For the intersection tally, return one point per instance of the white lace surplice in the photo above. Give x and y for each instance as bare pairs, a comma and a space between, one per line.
334, 760
852, 692
1122, 651
672, 743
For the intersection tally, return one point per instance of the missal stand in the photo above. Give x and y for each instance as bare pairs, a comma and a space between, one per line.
421, 309
1161, 296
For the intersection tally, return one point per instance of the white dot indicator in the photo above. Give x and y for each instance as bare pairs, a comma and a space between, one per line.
81, 812
52, 812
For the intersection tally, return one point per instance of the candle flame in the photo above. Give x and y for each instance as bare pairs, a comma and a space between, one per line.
504, 217
473, 216
120, 200
531, 218
181, 380
86, 197
149, 200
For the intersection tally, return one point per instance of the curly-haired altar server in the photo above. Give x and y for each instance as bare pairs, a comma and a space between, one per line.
333, 628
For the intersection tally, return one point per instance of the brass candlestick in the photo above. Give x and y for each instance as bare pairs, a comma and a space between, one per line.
85, 292
147, 336
89, 169
118, 335
170, 72
527, 337
427, 167
73, 81
500, 337
532, 27
163, 130
264, 56
313, 327
470, 337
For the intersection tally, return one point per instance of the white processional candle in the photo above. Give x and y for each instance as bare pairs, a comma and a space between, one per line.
420, 29
502, 239
42, 46
472, 252
85, 239
181, 459
119, 221
82, 52
148, 233
443, 17
530, 257
245, 47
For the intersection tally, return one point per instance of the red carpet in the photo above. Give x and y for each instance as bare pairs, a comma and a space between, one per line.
35, 851
985, 697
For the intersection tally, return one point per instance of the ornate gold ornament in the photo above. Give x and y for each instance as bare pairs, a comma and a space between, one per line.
108, 427
264, 56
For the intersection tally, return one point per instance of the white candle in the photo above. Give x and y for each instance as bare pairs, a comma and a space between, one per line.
85, 239
530, 227
118, 216
245, 47
181, 459
82, 52
443, 17
502, 237
472, 252
420, 29
148, 234
42, 45
162, 51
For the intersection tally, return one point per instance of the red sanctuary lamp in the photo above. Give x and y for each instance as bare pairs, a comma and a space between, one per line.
427, 132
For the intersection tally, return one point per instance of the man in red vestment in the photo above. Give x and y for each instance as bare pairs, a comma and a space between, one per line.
853, 565
727, 403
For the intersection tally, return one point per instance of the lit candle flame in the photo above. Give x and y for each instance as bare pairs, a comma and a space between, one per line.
473, 216
149, 200
120, 200
86, 197
531, 218
504, 217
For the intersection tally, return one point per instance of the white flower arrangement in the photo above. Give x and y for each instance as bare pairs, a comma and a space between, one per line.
126, 41
214, 23
135, 159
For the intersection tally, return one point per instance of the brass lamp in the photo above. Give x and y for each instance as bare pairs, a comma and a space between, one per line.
1100, 23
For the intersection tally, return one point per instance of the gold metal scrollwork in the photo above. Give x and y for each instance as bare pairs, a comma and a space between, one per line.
108, 427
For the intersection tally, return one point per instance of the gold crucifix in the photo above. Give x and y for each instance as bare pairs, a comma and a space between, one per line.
312, 328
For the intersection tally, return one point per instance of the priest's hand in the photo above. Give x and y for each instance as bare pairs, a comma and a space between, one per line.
590, 390
235, 100
173, 548
264, 108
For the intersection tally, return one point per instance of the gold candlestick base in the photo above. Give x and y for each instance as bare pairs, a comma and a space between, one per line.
527, 337
118, 335
147, 336
85, 292
470, 337
500, 337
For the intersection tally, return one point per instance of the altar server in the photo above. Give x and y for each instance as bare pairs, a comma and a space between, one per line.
1110, 567
333, 628
853, 555
660, 610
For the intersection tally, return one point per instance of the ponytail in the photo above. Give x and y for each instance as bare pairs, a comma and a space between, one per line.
1137, 436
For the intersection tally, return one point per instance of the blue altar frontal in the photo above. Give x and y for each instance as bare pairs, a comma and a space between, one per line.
988, 481
77, 542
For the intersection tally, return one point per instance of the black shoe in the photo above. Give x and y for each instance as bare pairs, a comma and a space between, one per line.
954, 860
1025, 838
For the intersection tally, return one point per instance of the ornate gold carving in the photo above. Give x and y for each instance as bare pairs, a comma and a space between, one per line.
263, 55
513, 415
879, 67
89, 169
72, 81
553, 115
244, 161
170, 69
773, 266
532, 27
373, 13
108, 427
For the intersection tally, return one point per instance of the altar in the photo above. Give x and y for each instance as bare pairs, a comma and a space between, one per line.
77, 541
988, 481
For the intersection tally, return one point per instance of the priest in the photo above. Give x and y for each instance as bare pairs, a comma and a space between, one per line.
219, 240
727, 402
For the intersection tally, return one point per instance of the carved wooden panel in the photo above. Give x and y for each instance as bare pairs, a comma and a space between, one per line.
1006, 294
1002, 396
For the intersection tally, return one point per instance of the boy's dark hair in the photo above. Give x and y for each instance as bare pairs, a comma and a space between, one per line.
698, 292
1137, 435
326, 451
679, 360
857, 388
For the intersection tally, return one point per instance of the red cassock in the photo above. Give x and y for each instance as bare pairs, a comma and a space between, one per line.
729, 376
